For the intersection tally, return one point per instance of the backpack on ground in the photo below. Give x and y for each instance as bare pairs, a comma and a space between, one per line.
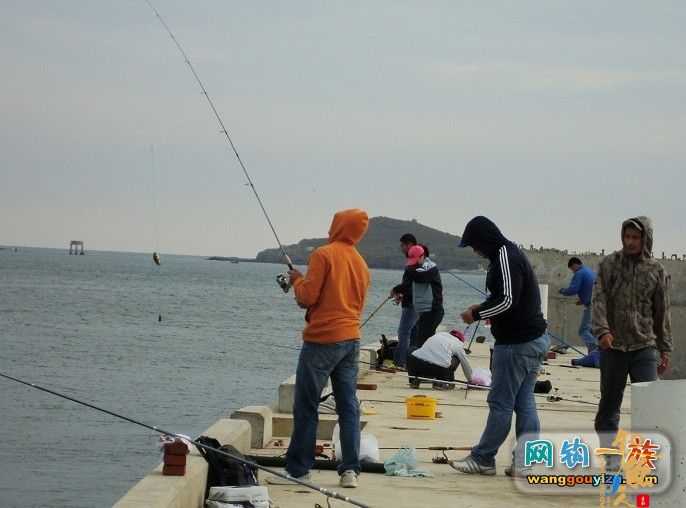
223, 471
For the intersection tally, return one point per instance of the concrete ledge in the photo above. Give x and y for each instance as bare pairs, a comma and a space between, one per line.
286, 392
260, 420
368, 357
157, 490
660, 405
282, 426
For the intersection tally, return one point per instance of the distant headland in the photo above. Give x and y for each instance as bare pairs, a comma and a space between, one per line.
380, 247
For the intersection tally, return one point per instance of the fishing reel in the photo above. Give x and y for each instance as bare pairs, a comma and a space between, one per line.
284, 281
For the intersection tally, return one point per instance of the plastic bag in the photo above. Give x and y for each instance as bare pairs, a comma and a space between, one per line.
481, 376
403, 463
369, 447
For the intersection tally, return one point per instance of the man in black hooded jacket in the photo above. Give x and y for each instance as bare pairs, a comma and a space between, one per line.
518, 326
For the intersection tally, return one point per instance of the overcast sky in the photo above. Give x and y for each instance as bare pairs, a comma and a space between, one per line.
555, 119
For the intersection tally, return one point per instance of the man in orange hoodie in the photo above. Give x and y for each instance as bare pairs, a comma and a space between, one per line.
333, 291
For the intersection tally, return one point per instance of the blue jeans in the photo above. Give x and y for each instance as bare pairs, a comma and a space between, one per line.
318, 362
585, 330
615, 366
408, 318
515, 367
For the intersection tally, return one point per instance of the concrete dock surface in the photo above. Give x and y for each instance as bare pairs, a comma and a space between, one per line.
462, 418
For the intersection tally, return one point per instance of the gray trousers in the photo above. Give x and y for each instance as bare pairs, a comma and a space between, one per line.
615, 366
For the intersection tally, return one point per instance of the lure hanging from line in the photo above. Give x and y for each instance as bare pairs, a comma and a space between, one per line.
281, 279
156, 258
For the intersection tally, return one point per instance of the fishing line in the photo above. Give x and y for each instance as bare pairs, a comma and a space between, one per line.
327, 492
155, 255
483, 293
287, 260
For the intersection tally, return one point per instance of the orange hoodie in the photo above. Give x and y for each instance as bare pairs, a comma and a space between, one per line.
335, 286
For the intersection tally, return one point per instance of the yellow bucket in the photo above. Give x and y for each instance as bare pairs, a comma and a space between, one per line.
421, 407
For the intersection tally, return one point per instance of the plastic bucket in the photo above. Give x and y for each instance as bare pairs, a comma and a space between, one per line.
421, 407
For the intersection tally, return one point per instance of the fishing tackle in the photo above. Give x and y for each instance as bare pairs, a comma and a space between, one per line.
286, 259
322, 490
284, 281
156, 258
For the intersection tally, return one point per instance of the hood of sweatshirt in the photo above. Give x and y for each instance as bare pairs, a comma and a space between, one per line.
482, 234
645, 225
348, 226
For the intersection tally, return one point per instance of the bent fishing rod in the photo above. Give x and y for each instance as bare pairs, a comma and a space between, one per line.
321, 490
281, 278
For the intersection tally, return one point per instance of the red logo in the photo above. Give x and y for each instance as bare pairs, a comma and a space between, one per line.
643, 500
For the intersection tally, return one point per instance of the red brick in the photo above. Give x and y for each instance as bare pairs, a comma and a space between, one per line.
175, 449
174, 470
174, 460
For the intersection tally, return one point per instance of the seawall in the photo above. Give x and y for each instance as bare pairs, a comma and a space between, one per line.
564, 316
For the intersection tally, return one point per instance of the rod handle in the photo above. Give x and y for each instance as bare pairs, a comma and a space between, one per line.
288, 261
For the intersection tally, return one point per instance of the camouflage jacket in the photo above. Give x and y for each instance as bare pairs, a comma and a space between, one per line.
631, 298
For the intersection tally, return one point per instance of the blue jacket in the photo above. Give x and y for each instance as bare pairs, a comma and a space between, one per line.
581, 285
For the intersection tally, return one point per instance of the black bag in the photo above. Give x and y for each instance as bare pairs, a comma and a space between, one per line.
385, 352
224, 471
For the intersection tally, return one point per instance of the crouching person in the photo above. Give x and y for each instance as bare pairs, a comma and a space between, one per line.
438, 359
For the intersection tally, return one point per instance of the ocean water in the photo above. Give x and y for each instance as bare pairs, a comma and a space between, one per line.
87, 327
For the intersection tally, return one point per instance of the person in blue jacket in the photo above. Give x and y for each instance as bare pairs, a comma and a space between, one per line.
581, 285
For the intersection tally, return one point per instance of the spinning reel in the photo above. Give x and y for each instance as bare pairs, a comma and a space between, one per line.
283, 281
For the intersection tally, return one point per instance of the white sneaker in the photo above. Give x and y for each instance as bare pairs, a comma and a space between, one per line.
348, 479
280, 480
469, 466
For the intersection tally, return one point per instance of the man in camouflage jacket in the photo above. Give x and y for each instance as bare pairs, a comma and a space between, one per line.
630, 320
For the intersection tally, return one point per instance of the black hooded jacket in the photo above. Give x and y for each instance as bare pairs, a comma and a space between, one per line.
514, 303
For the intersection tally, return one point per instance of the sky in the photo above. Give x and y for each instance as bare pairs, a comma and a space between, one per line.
555, 119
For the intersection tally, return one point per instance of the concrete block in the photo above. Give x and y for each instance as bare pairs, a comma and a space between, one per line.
287, 394
282, 426
367, 358
260, 420
660, 405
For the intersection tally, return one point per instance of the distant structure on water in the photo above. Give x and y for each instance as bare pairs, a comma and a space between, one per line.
74, 247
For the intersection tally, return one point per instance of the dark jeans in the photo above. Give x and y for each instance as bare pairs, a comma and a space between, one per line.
615, 365
418, 367
427, 324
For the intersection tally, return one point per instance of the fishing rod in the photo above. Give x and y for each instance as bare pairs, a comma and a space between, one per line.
322, 490
375, 311
483, 293
549, 398
281, 279
468, 350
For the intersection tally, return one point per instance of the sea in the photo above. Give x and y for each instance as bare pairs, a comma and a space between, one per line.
175, 346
